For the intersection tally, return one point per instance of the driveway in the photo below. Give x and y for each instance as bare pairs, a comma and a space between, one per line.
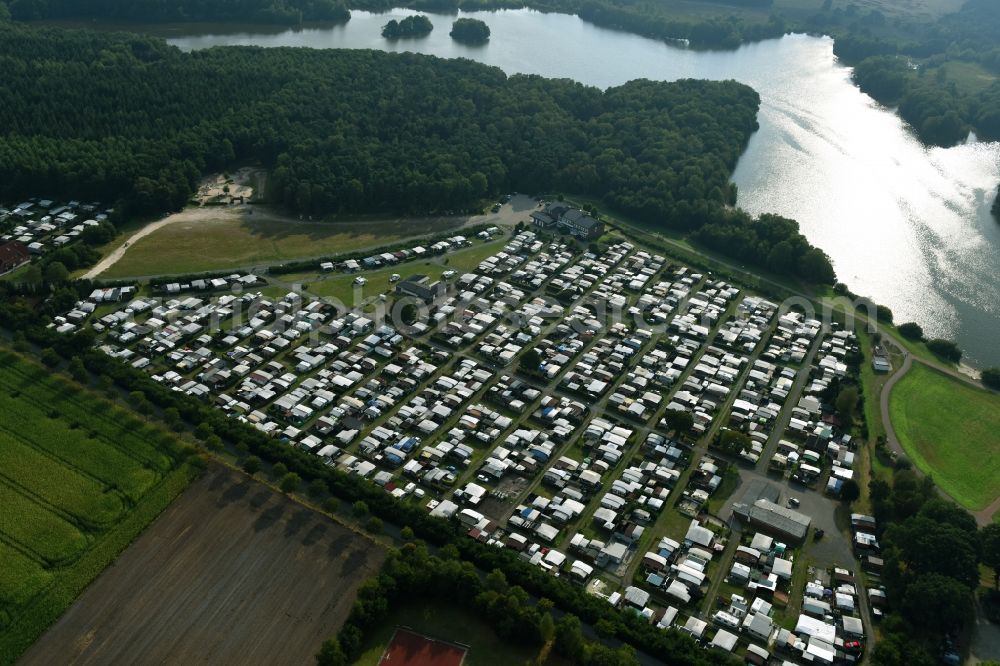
835, 547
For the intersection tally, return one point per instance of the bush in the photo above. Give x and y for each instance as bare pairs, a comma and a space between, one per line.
50, 358
374, 525
991, 378
317, 488
360, 509
911, 331
945, 349
251, 465
290, 482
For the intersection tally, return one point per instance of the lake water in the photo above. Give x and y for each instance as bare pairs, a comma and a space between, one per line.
908, 226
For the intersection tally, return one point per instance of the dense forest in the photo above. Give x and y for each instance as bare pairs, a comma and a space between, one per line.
909, 65
411, 26
470, 31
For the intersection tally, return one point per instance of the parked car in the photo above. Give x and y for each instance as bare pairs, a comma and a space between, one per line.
447, 275
793, 502
360, 280
394, 277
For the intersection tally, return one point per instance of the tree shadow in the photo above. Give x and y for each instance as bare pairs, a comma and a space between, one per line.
268, 518
259, 499
339, 545
297, 521
354, 562
314, 535
233, 493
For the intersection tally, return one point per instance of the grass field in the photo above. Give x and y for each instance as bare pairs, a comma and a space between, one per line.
968, 77
79, 478
454, 625
231, 573
224, 238
951, 431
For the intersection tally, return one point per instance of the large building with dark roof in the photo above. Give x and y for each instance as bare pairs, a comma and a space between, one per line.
774, 519
568, 220
420, 286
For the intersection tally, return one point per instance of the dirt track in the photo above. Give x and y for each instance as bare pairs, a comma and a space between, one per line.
231, 573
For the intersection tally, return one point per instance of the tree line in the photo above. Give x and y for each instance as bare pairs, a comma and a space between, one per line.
286, 12
647, 19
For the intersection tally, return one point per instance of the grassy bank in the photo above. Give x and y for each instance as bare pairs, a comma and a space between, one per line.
948, 429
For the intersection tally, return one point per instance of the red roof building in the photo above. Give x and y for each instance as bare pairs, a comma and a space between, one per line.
12, 255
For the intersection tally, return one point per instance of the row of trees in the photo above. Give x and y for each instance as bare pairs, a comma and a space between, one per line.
932, 549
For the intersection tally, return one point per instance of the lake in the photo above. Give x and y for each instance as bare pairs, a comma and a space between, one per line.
907, 225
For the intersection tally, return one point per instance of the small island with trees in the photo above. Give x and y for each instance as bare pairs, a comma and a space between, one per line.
408, 28
470, 31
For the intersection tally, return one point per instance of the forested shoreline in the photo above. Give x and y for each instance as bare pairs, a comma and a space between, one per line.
126, 118
905, 66
282, 12
885, 52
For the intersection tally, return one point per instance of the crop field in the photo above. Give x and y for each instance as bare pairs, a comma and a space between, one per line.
79, 478
949, 429
231, 573
219, 238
